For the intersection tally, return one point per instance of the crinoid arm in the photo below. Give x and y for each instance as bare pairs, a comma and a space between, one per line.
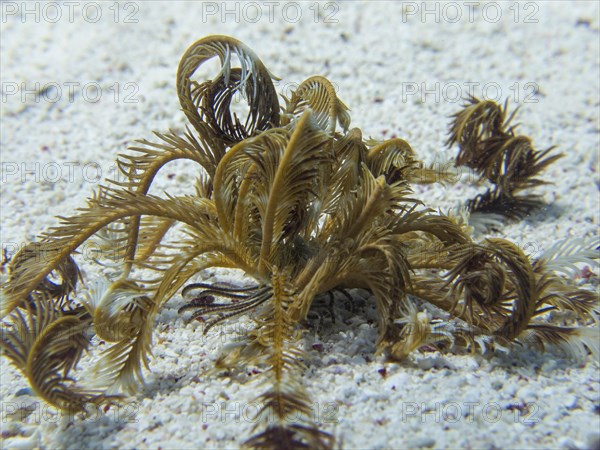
490, 147
285, 414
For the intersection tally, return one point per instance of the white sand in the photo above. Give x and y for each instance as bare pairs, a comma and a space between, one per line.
54, 153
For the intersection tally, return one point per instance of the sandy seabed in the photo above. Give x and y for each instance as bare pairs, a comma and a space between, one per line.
82, 80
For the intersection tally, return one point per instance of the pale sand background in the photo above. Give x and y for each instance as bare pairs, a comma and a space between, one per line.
51, 152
